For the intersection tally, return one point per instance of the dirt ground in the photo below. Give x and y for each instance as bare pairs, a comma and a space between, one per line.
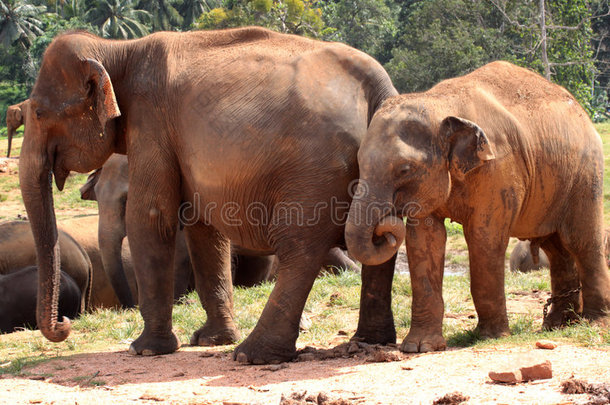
197, 375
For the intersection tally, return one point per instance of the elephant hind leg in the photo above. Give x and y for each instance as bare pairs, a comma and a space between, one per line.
565, 284
211, 261
587, 248
274, 337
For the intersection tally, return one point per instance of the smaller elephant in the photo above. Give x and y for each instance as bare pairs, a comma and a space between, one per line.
18, 293
522, 259
18, 250
15, 117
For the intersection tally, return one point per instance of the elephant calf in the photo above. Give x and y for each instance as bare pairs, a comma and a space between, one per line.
18, 299
505, 153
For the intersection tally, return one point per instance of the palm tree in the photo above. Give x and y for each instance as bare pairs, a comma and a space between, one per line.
164, 14
19, 22
190, 10
118, 19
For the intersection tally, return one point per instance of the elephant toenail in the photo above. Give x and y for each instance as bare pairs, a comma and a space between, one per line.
409, 348
242, 358
425, 347
147, 352
132, 350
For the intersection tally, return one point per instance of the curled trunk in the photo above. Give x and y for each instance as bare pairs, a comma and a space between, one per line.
372, 236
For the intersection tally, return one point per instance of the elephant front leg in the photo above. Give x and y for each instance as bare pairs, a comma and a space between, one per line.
426, 254
486, 249
151, 231
376, 322
210, 254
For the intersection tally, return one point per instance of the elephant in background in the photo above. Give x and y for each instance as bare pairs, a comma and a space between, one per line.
18, 251
522, 259
503, 152
15, 117
257, 131
18, 291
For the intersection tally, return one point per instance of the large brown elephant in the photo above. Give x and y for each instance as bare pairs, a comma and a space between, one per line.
15, 117
251, 135
505, 153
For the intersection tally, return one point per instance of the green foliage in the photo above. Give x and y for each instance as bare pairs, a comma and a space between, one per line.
442, 39
19, 22
11, 93
289, 16
119, 19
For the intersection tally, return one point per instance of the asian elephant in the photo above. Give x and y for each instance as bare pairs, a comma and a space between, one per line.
522, 259
505, 153
18, 251
245, 135
108, 186
15, 117
18, 299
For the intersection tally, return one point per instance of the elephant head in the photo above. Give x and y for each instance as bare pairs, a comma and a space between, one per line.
69, 127
15, 117
407, 162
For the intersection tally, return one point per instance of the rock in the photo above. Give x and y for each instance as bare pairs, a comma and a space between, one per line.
533, 371
307, 357
540, 371
353, 348
275, 367
507, 377
546, 344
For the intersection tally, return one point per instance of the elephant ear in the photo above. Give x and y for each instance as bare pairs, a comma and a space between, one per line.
106, 105
87, 191
468, 146
18, 116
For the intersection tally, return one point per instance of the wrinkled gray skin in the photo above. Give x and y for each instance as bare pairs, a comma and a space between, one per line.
521, 258
18, 292
15, 117
109, 186
220, 120
505, 153
17, 251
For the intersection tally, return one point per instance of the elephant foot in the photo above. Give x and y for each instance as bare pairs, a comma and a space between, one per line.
381, 334
422, 341
209, 335
493, 329
153, 345
264, 351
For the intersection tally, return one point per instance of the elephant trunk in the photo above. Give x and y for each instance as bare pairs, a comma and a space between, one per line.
110, 235
35, 177
372, 234
10, 132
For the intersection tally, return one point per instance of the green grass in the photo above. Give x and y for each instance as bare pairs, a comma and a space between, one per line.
604, 131
332, 307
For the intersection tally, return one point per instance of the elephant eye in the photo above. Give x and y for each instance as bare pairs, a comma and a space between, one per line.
38, 113
403, 170
90, 86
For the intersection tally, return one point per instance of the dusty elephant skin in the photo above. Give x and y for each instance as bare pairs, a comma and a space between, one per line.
18, 299
109, 186
18, 251
15, 117
505, 153
246, 128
